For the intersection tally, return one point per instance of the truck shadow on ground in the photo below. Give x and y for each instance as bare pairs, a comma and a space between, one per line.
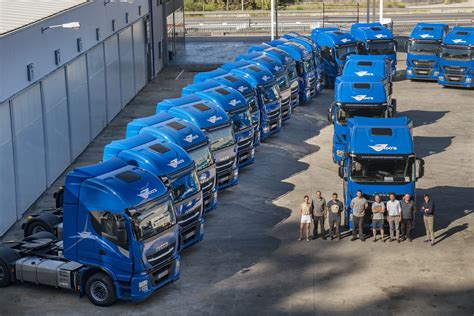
451, 205
421, 118
426, 146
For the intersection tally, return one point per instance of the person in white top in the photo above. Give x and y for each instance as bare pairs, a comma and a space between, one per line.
394, 211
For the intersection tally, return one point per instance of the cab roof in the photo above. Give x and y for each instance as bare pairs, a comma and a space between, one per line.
460, 36
262, 59
307, 42
428, 31
157, 156
112, 185
204, 113
360, 92
225, 78
295, 50
259, 75
229, 99
331, 37
370, 31
367, 67
381, 136
276, 52
175, 130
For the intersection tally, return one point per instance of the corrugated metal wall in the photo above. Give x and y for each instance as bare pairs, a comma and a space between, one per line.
53, 121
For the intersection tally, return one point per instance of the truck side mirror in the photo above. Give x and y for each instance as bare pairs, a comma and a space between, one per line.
121, 231
420, 168
330, 113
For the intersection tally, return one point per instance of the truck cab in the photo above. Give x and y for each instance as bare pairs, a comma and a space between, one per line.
356, 98
380, 158
457, 58
335, 45
216, 125
189, 137
375, 39
423, 50
363, 68
120, 238
305, 67
279, 71
238, 83
311, 46
290, 66
173, 165
268, 94
234, 104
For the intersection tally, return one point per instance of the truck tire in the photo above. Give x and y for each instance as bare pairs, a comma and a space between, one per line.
41, 235
5, 277
37, 226
101, 290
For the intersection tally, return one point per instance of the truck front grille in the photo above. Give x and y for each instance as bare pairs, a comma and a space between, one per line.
274, 114
454, 78
221, 166
191, 216
454, 69
161, 255
162, 273
424, 63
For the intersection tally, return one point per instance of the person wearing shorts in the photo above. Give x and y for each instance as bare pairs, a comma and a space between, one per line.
305, 223
378, 211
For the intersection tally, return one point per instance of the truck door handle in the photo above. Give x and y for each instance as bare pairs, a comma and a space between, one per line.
102, 252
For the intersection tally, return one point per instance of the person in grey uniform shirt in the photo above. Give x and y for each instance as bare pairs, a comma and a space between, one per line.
358, 206
319, 210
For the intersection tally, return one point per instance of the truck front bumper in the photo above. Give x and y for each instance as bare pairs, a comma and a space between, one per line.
456, 80
414, 73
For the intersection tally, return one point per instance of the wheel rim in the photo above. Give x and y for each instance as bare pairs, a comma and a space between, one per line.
2, 274
99, 291
38, 229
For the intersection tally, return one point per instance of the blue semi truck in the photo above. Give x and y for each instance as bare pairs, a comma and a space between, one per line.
335, 45
234, 104
457, 58
353, 98
375, 39
304, 67
423, 50
278, 70
238, 83
191, 139
311, 46
120, 238
379, 159
217, 126
289, 64
175, 168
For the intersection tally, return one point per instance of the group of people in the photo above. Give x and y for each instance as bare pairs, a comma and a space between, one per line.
399, 215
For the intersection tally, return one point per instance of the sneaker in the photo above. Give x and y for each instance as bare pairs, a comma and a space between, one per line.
392, 240
410, 240
353, 238
307, 239
383, 239
427, 240
300, 239
432, 242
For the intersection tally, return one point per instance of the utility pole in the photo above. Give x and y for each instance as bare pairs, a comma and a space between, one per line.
368, 11
272, 19
242, 5
276, 18
374, 5
381, 11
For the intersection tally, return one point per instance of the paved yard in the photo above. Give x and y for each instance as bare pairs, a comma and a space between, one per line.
250, 261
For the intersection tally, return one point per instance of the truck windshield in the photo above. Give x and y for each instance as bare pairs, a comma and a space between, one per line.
292, 72
202, 157
343, 51
423, 47
242, 120
153, 218
221, 138
283, 82
382, 169
185, 186
381, 47
457, 53
270, 93
345, 113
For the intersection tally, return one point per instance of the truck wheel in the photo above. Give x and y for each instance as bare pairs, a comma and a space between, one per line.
41, 235
5, 277
37, 227
100, 290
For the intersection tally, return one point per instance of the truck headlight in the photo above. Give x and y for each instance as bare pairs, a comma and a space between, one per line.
266, 129
177, 266
468, 80
203, 177
339, 153
409, 72
435, 73
308, 93
252, 153
143, 286
440, 78
214, 196
236, 172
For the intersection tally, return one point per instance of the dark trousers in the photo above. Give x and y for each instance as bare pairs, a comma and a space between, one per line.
334, 225
406, 227
318, 220
358, 223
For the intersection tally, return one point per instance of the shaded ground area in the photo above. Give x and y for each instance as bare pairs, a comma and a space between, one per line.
250, 261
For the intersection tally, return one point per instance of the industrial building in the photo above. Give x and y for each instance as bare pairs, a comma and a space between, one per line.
67, 69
